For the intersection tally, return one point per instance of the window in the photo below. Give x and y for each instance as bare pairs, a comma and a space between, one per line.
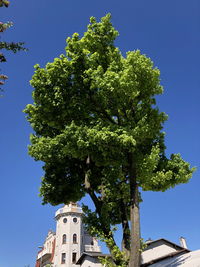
64, 239
74, 238
65, 220
74, 219
74, 257
63, 258
92, 243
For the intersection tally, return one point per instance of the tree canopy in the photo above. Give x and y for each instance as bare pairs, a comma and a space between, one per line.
99, 132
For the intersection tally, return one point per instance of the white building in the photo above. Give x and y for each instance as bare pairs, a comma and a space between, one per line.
71, 246
164, 253
70, 242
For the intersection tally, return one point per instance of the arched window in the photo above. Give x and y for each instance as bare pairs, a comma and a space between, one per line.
74, 238
64, 239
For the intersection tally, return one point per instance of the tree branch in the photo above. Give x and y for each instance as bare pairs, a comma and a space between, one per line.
98, 205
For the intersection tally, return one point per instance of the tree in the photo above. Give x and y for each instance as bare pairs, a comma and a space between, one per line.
99, 132
12, 46
4, 3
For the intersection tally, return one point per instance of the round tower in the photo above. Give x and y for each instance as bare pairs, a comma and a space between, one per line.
69, 231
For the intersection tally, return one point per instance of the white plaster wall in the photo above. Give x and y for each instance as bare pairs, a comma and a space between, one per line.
190, 259
69, 228
48, 245
91, 243
156, 250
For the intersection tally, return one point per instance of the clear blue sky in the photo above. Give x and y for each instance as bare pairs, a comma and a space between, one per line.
166, 31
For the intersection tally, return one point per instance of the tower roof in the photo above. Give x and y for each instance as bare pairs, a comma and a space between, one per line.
72, 208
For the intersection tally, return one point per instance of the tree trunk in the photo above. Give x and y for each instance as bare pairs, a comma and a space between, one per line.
98, 205
135, 254
126, 230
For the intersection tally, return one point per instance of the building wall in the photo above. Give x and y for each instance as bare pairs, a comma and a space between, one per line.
44, 255
188, 259
155, 250
90, 243
62, 249
69, 223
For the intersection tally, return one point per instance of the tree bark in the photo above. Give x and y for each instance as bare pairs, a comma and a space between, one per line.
135, 254
125, 229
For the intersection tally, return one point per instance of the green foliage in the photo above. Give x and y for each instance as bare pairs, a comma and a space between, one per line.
93, 103
12, 46
93, 226
4, 26
108, 261
4, 3
143, 245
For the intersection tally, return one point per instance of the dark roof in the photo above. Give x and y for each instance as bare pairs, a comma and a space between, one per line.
91, 254
180, 252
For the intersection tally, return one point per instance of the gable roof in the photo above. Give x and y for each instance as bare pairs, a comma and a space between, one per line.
177, 251
180, 251
91, 254
168, 242
190, 259
171, 255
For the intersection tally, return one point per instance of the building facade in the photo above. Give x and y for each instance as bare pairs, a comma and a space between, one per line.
65, 247
72, 246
